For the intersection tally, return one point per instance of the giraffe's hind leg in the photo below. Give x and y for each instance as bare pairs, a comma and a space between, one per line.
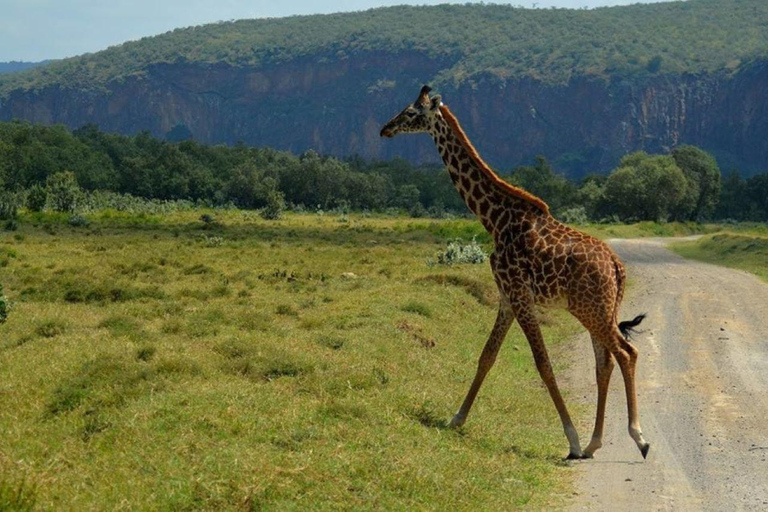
504, 320
603, 368
626, 357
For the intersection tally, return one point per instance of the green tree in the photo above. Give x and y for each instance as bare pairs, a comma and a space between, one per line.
244, 187
407, 196
64, 194
646, 187
732, 194
591, 195
275, 201
703, 174
541, 180
757, 198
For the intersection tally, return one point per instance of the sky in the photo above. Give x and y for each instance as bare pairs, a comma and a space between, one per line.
34, 30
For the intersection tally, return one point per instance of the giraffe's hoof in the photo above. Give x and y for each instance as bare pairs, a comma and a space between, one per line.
574, 456
644, 450
456, 422
586, 455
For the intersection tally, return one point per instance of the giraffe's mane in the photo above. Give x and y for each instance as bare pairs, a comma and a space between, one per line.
502, 185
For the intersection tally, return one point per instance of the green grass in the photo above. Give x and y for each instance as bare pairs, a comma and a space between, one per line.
649, 229
746, 249
143, 367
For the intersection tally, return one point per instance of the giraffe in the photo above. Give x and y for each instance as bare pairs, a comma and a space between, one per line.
537, 261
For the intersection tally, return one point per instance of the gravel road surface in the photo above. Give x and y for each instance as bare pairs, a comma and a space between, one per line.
702, 391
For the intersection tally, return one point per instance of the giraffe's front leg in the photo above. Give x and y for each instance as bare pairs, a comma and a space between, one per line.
504, 320
527, 320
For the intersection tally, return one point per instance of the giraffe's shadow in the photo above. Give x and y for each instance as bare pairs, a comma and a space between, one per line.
428, 418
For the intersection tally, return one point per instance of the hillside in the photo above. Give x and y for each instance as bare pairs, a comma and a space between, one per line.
581, 86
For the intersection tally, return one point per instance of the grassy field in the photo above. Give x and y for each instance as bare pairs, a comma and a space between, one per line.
650, 229
745, 249
310, 362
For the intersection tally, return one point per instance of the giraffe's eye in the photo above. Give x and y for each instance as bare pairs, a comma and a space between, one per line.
410, 114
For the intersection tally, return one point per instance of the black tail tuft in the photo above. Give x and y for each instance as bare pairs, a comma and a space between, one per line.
627, 328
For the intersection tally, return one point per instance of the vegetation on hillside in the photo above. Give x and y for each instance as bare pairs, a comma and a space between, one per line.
470, 40
49, 167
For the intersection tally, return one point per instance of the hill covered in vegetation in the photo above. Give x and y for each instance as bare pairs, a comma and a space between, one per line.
583, 87
504, 41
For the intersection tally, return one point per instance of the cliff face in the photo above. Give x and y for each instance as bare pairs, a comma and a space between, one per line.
336, 106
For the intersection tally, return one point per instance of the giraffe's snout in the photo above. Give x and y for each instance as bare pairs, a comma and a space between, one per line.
387, 131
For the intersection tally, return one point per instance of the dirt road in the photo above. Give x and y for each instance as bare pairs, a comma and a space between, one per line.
702, 391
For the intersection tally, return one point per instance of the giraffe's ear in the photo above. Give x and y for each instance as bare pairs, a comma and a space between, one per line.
423, 98
435, 102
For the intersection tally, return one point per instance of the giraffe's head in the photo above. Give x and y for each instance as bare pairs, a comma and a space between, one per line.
415, 117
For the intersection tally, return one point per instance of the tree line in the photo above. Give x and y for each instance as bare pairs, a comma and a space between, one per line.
48, 166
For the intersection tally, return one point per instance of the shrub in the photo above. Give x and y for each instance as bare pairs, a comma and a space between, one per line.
8, 205
145, 353
64, 193
100, 200
456, 253
78, 221
286, 310
37, 197
574, 215
50, 329
3, 306
275, 205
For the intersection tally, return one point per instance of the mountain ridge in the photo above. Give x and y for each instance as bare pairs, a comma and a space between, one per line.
582, 87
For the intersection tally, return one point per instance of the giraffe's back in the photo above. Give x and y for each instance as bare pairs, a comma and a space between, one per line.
567, 268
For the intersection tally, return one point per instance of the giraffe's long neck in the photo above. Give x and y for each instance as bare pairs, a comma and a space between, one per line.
484, 193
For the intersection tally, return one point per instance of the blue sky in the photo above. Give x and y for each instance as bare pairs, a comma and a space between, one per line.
32, 30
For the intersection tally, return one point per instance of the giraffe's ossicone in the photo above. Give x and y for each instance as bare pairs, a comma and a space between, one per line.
537, 261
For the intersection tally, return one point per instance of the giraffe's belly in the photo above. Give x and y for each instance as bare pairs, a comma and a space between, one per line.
551, 293
556, 301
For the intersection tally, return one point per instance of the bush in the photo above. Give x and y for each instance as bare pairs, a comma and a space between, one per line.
275, 205
574, 215
8, 205
37, 197
456, 253
78, 221
64, 193
3, 306
100, 200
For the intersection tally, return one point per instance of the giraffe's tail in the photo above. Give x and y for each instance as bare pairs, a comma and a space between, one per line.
628, 328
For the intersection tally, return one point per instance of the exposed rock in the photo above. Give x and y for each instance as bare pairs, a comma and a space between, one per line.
338, 106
